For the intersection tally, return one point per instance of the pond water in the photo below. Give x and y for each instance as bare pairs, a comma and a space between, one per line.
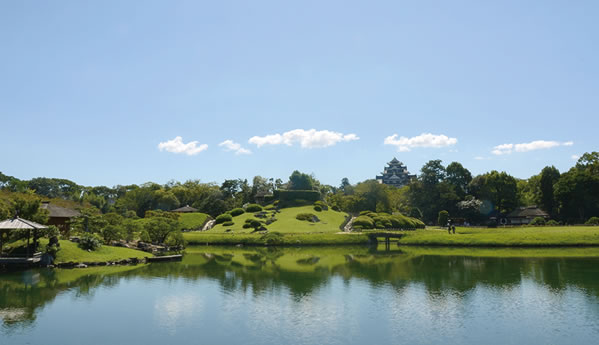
312, 296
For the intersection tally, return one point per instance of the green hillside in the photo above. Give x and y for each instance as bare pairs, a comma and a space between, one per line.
287, 223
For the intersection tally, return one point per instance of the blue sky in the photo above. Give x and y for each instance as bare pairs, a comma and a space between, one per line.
90, 89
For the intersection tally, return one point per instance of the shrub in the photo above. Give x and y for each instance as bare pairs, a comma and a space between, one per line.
321, 204
247, 226
363, 213
552, 223
144, 236
272, 238
112, 233
335, 208
255, 223
538, 221
592, 221
308, 217
90, 242
443, 218
223, 218
317, 208
175, 239
363, 222
237, 211
228, 223
52, 249
253, 208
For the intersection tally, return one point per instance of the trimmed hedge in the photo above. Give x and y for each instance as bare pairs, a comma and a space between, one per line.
592, 221
223, 218
237, 211
253, 208
372, 220
290, 195
364, 222
229, 223
317, 208
552, 223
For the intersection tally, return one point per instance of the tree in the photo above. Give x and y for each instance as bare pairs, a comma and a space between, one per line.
160, 226
549, 177
499, 188
346, 187
432, 173
459, 177
300, 181
577, 193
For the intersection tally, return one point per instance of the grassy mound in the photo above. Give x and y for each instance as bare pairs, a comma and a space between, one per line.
193, 221
286, 221
70, 252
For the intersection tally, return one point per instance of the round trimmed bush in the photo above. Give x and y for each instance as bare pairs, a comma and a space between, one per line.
223, 218
228, 223
363, 213
592, 221
253, 208
317, 208
237, 211
308, 217
335, 208
552, 223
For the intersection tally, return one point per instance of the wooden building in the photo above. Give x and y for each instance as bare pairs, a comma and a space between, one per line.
525, 215
59, 216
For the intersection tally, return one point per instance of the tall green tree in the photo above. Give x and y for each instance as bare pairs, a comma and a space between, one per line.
300, 181
549, 177
499, 188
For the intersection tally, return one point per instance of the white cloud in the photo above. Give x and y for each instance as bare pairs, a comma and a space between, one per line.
405, 144
575, 157
177, 146
230, 145
306, 138
479, 158
505, 149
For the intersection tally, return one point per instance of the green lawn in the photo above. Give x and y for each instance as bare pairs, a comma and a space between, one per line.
287, 239
506, 237
70, 252
286, 223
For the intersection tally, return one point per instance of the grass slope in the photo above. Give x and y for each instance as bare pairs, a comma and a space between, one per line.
193, 221
506, 237
286, 223
288, 239
70, 252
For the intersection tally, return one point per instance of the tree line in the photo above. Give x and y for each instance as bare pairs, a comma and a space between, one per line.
569, 197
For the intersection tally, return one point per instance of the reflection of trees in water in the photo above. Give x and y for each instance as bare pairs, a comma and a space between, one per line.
301, 273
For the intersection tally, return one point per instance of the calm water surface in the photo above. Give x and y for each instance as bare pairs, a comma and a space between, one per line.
312, 296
